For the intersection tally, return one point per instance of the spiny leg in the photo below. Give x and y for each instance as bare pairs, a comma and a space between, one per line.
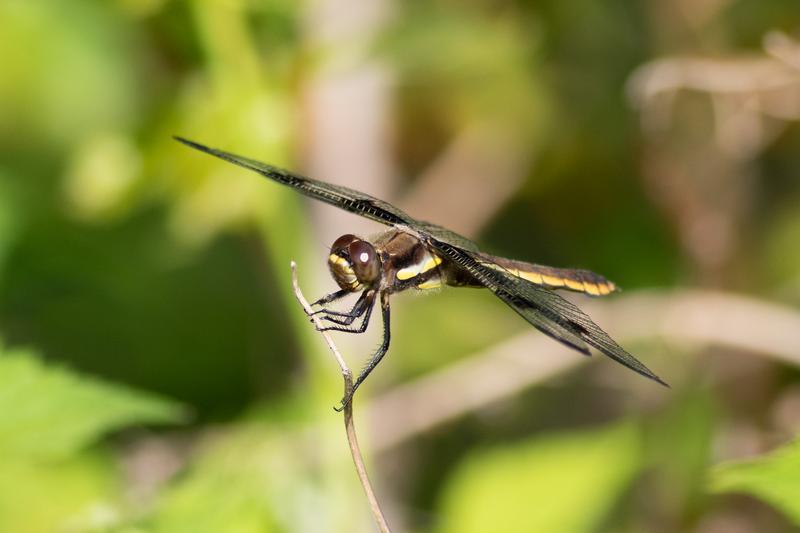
376, 358
369, 303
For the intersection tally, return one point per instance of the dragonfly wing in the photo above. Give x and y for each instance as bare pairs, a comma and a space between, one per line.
445, 235
542, 308
341, 197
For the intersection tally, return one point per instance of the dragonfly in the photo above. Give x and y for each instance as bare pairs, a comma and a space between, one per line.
414, 254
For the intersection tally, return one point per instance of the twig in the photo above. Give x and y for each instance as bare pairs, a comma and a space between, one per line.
350, 427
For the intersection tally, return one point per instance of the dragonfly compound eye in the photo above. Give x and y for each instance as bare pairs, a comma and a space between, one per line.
340, 265
339, 246
365, 261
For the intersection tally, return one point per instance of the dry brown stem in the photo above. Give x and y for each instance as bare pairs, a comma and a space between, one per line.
350, 428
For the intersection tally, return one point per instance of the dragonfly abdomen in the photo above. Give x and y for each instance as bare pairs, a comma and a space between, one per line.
573, 279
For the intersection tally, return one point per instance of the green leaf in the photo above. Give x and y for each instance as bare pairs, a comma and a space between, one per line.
50, 412
249, 480
561, 483
79, 494
774, 478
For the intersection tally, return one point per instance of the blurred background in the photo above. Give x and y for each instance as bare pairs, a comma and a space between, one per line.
157, 374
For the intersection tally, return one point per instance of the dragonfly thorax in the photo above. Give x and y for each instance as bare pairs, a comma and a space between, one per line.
354, 263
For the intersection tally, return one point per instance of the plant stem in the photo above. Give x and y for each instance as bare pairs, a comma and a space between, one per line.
350, 428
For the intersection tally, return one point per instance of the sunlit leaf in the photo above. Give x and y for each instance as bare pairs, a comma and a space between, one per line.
78, 494
561, 483
774, 478
51, 412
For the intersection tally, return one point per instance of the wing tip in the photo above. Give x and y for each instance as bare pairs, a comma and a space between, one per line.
660, 381
649, 374
222, 154
192, 144
618, 354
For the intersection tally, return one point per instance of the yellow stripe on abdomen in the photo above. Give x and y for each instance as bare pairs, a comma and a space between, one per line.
598, 288
534, 277
552, 281
559, 278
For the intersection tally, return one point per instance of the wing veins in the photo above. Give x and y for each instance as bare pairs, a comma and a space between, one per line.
544, 309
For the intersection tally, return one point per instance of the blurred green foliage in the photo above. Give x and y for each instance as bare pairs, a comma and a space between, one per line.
772, 478
540, 485
126, 258
51, 417
49, 413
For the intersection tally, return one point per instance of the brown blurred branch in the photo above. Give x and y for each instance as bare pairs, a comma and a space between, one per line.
347, 106
732, 76
352, 439
758, 75
704, 182
694, 317
744, 92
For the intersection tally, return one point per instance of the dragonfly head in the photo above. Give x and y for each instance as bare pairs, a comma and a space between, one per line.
354, 263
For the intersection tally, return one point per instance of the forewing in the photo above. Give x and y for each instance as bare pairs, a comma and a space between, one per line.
543, 308
341, 197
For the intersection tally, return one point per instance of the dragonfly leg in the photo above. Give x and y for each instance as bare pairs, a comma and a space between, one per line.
368, 304
332, 297
345, 318
376, 358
